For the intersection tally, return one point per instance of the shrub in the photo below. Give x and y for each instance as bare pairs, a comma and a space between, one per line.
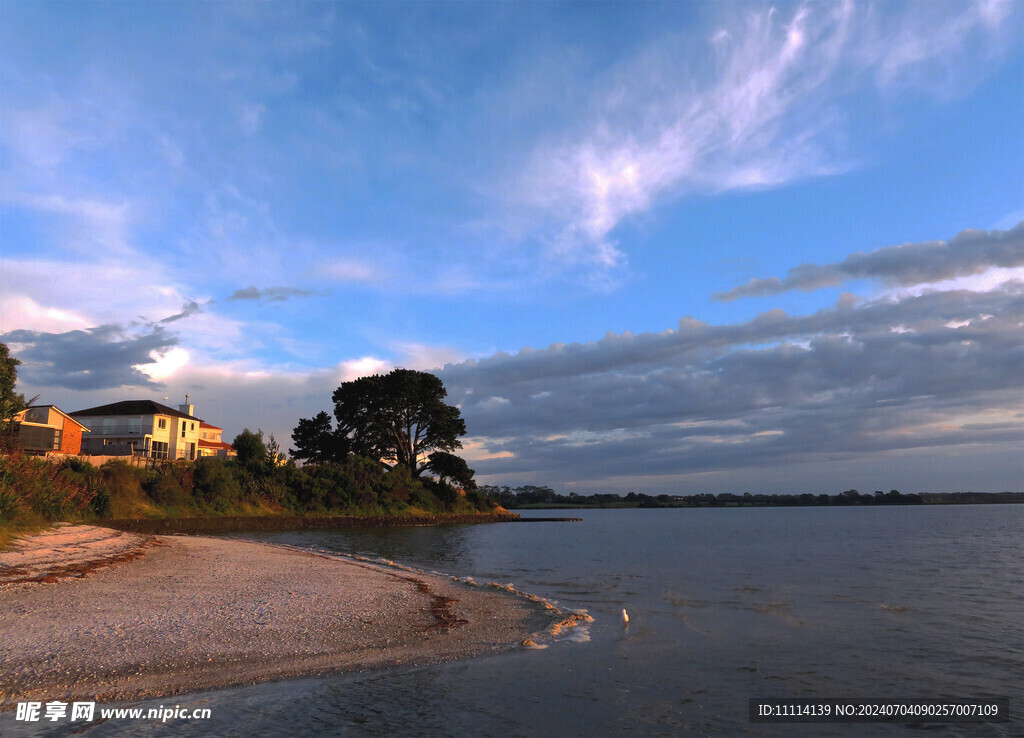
480, 501
214, 484
123, 482
446, 495
31, 485
423, 499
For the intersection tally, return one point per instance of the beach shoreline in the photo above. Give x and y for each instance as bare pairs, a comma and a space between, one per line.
90, 613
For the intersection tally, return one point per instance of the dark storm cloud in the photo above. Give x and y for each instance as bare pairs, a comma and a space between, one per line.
840, 383
969, 252
92, 359
270, 294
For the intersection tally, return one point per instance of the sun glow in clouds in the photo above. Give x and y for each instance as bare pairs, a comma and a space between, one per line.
165, 365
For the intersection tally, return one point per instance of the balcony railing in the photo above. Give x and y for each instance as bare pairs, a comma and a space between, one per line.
119, 430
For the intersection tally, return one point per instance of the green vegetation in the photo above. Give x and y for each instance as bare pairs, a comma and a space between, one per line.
390, 430
10, 401
35, 491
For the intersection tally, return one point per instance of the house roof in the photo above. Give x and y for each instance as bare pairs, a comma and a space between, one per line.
204, 424
215, 444
52, 407
134, 407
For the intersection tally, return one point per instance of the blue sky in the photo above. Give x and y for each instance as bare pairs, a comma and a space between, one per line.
575, 213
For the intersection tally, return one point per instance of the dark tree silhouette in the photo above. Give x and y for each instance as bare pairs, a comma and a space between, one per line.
399, 418
10, 401
451, 467
316, 441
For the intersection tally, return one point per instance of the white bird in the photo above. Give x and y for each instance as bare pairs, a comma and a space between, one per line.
625, 617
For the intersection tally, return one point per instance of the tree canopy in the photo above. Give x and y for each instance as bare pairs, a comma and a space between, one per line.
451, 467
250, 447
316, 441
10, 401
399, 418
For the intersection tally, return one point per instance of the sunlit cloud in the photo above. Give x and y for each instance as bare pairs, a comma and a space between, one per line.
164, 365
19, 311
363, 367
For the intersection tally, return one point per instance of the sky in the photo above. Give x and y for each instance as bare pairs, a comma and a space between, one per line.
657, 247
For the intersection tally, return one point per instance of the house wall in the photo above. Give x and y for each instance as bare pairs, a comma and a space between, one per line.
71, 438
144, 428
185, 443
66, 430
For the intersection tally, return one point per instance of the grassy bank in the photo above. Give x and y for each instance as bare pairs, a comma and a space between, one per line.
35, 492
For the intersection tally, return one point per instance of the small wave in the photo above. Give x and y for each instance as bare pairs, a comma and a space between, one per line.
894, 608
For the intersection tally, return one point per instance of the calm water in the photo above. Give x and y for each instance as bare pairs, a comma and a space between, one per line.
724, 605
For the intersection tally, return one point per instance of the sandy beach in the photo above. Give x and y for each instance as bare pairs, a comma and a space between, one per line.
92, 613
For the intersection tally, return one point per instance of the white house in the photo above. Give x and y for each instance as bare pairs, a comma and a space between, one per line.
141, 428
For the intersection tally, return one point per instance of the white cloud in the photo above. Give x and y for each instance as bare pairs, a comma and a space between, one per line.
763, 102
347, 270
363, 367
166, 364
20, 311
426, 357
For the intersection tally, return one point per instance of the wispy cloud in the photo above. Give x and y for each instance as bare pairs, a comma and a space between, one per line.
191, 307
968, 253
270, 294
763, 101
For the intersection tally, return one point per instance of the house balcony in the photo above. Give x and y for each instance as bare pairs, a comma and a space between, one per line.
118, 430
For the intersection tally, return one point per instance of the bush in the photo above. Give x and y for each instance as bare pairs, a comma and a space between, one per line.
214, 484
102, 504
35, 486
124, 483
480, 501
423, 499
398, 484
445, 494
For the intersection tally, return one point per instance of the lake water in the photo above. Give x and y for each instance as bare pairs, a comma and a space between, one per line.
724, 605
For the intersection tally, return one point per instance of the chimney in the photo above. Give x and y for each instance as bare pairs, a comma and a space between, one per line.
187, 408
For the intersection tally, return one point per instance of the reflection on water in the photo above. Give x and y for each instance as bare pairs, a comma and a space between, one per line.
724, 605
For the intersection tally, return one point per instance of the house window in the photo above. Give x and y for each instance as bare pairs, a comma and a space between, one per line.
160, 450
56, 439
191, 426
162, 423
182, 430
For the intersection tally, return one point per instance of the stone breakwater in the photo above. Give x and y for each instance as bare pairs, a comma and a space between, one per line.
191, 613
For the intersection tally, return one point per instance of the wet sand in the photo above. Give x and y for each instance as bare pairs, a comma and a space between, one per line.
91, 613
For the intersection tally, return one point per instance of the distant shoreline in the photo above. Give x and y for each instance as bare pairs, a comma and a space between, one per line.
737, 501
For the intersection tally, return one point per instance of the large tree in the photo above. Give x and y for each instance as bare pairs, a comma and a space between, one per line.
10, 401
399, 418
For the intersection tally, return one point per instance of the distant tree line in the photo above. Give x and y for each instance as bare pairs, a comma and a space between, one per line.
543, 497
